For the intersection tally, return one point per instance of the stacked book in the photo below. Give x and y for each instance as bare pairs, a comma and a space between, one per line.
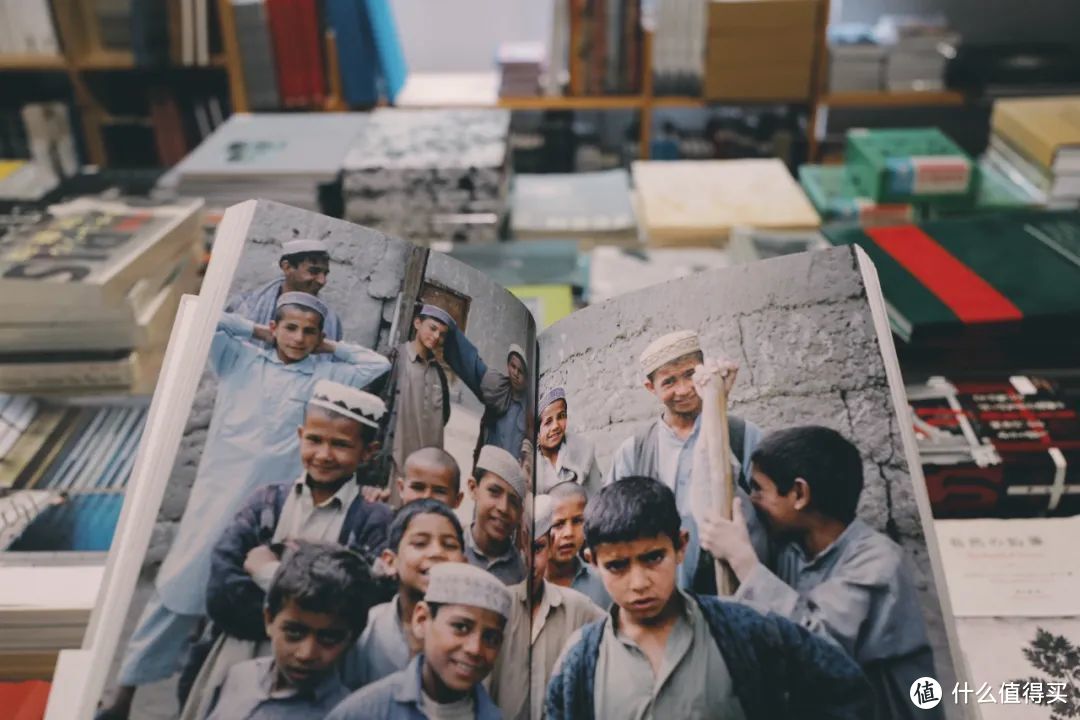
521, 66
856, 59
278, 156
699, 203
606, 44
918, 50
1035, 142
593, 208
999, 288
428, 175
28, 29
91, 288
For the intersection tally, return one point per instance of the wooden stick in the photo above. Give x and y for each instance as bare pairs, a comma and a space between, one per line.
714, 430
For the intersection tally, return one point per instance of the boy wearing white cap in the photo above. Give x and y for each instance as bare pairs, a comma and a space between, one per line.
542, 618
563, 457
251, 443
323, 504
460, 623
664, 449
305, 264
498, 490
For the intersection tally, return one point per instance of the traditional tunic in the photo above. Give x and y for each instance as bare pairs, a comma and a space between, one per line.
675, 461
251, 443
518, 687
693, 681
381, 650
858, 592
260, 304
419, 408
248, 694
400, 697
576, 462
508, 567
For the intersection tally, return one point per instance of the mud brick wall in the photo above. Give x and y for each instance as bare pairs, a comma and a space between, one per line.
412, 171
801, 331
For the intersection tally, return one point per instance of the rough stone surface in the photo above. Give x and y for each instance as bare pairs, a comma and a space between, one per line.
802, 332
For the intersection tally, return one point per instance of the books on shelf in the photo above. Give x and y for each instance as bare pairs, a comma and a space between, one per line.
27, 28
605, 46
918, 49
521, 68
699, 202
856, 59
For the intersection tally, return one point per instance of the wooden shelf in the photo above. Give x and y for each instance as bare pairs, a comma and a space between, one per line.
33, 62
597, 102
118, 60
913, 98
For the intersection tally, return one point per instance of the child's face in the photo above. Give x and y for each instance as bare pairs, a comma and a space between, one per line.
673, 385
640, 574
553, 425
430, 539
430, 332
460, 643
541, 548
306, 645
567, 529
429, 481
297, 334
515, 368
331, 447
498, 507
780, 513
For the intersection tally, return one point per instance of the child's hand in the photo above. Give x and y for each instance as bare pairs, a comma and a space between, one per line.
375, 494
715, 368
262, 332
326, 346
729, 540
257, 558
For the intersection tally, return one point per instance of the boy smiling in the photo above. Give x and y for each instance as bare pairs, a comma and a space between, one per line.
662, 652
498, 490
460, 624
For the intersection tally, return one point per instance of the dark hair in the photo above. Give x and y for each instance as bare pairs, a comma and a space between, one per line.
324, 578
297, 259
825, 459
697, 355
436, 456
629, 509
368, 434
279, 311
433, 607
424, 506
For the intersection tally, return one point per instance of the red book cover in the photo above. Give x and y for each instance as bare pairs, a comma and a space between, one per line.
311, 48
280, 17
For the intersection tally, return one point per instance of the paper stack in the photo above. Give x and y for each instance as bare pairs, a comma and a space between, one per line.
919, 48
1035, 142
594, 208
90, 291
856, 60
521, 65
427, 175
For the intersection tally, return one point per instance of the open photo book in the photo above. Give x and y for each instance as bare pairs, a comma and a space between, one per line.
368, 488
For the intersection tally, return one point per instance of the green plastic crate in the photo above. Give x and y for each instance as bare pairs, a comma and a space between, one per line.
917, 165
833, 195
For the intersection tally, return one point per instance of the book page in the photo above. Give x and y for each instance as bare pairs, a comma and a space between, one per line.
326, 356
831, 535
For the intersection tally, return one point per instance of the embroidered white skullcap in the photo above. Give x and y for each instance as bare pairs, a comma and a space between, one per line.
668, 347
295, 247
515, 349
494, 459
552, 395
437, 313
302, 299
542, 515
347, 401
458, 583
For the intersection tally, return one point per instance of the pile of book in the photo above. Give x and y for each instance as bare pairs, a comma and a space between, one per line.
918, 51
997, 288
699, 203
91, 288
856, 59
1035, 142
288, 157
27, 29
521, 66
592, 208
603, 42
37, 151
284, 52
428, 175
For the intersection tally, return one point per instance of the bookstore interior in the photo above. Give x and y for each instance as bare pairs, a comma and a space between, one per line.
865, 218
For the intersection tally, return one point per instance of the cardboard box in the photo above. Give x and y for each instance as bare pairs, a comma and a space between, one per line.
727, 15
783, 47
763, 82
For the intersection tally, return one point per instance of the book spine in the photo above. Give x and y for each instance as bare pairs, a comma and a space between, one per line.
1006, 122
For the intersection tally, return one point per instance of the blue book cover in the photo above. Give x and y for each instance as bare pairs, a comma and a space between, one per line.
356, 52
392, 67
